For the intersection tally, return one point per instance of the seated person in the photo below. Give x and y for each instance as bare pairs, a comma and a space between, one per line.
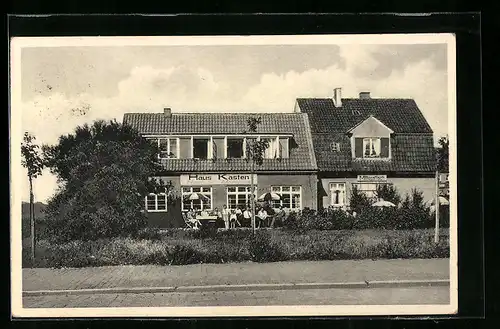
191, 216
204, 213
280, 216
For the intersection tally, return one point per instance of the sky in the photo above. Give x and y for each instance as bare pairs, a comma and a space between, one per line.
62, 87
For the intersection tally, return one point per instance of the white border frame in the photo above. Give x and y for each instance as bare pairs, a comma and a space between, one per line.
224, 311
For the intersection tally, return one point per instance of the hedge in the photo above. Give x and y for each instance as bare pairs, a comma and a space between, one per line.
180, 247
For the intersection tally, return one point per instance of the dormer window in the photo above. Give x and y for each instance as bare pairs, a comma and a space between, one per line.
235, 148
371, 140
168, 148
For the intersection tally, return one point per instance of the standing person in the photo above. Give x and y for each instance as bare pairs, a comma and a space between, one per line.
225, 216
232, 219
262, 216
218, 214
239, 216
247, 216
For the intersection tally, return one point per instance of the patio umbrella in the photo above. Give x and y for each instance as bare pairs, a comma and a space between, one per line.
442, 201
269, 196
383, 203
195, 196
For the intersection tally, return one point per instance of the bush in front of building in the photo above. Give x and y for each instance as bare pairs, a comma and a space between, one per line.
266, 246
264, 249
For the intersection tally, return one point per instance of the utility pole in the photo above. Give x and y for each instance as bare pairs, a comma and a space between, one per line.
32, 222
436, 206
252, 186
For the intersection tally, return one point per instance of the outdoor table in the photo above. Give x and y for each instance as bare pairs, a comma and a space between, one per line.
209, 219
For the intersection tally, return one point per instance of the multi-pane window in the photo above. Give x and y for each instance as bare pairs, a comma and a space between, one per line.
371, 147
337, 194
290, 197
198, 198
369, 189
168, 148
238, 196
156, 202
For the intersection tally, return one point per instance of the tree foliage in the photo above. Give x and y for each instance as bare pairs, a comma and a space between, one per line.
32, 158
389, 193
255, 148
105, 171
443, 154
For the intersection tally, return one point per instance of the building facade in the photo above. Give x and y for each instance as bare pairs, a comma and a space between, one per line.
367, 142
205, 153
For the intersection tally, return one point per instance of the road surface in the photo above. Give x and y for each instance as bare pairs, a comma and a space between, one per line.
337, 296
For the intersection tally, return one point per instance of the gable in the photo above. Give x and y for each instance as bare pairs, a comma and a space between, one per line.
371, 127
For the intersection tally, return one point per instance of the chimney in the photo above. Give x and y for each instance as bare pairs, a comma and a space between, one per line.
167, 111
364, 95
337, 97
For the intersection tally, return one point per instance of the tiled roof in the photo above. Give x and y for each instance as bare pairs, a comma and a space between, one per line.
412, 146
410, 153
400, 115
301, 154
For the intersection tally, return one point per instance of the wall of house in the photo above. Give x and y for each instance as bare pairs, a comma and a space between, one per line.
308, 182
403, 184
173, 218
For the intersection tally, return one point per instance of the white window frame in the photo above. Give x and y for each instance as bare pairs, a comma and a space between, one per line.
373, 191
209, 146
234, 137
156, 202
333, 186
292, 193
168, 139
371, 143
210, 194
247, 194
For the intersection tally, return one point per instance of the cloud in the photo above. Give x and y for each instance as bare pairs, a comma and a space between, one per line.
196, 89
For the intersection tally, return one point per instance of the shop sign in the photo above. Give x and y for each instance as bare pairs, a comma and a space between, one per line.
372, 178
217, 179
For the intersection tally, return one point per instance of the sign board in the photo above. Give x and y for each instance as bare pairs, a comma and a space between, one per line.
372, 178
217, 179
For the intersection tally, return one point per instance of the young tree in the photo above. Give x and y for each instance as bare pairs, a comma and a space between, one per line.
33, 162
105, 173
255, 149
443, 154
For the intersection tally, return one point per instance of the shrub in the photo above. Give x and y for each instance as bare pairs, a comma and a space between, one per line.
149, 233
263, 249
359, 201
388, 193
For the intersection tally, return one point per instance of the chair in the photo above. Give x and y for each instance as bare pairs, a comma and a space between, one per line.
186, 221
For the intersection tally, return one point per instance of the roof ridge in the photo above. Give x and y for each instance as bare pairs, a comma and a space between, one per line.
220, 113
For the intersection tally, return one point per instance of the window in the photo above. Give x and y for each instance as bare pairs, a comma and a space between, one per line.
291, 197
271, 151
369, 189
156, 202
238, 196
338, 195
168, 148
235, 148
203, 201
371, 147
200, 148
335, 147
